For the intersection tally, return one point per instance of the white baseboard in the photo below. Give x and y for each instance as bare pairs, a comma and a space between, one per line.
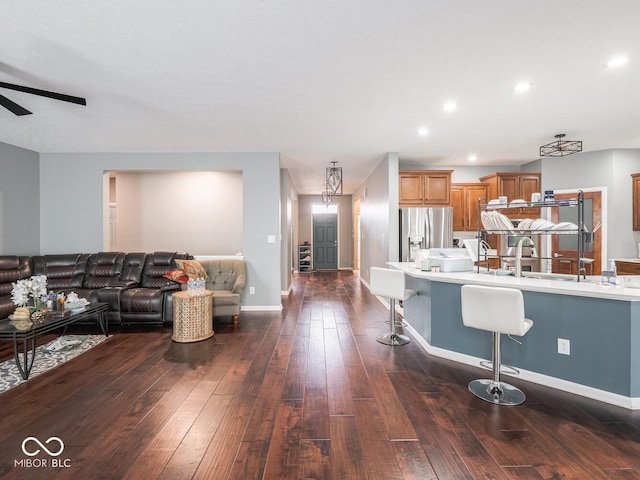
261, 308
632, 403
285, 293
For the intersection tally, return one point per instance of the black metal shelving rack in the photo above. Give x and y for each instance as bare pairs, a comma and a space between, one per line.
581, 233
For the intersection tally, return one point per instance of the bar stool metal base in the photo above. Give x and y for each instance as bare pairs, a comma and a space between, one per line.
499, 393
393, 339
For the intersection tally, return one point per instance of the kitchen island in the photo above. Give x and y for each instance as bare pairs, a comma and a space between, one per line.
602, 323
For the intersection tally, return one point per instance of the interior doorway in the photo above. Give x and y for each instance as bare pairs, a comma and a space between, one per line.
564, 250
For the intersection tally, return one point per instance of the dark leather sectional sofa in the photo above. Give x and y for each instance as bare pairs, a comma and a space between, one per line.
133, 284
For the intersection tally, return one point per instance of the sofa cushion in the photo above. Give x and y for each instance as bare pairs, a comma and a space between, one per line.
177, 276
63, 272
103, 269
12, 269
192, 268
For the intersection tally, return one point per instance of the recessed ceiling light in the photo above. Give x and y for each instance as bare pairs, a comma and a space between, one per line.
472, 158
615, 62
423, 131
522, 87
450, 106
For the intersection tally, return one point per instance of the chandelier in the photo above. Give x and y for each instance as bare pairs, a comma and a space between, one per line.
560, 147
326, 197
334, 179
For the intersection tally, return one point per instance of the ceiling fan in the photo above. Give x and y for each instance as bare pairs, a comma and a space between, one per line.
19, 110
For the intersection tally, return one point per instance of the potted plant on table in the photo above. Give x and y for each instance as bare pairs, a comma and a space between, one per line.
30, 293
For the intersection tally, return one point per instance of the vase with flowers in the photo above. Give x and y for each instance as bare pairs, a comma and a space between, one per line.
30, 292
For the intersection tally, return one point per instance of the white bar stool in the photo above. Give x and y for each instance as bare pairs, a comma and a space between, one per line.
498, 310
390, 283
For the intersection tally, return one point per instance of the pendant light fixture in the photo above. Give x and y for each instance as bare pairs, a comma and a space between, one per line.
334, 179
326, 197
560, 147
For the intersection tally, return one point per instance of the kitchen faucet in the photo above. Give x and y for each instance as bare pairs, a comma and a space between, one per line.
519, 254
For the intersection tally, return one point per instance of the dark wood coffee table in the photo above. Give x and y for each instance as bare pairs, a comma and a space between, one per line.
50, 323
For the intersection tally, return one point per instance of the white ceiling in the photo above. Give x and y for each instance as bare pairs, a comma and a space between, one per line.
323, 80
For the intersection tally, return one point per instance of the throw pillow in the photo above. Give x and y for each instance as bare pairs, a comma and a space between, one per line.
177, 276
192, 268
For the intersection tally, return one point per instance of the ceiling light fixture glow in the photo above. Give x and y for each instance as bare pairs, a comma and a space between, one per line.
423, 131
522, 87
450, 107
616, 62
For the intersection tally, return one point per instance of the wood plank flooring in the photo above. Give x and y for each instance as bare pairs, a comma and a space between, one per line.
306, 393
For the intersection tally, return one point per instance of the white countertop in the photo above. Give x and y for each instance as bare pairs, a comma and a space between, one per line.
590, 288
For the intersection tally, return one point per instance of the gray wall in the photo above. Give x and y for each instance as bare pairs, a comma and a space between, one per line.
606, 168
379, 216
19, 201
72, 185
345, 225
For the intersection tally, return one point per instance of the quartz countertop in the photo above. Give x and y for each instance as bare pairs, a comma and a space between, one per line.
589, 287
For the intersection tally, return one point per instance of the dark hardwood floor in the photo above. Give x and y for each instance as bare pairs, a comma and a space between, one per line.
305, 393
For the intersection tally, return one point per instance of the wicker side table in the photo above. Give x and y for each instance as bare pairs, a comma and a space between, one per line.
192, 317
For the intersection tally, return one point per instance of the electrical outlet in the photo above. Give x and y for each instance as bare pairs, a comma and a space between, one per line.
252, 290
564, 346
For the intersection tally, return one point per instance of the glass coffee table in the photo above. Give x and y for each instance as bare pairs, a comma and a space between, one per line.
27, 337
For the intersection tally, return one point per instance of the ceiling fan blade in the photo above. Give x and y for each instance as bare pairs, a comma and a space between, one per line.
45, 93
13, 107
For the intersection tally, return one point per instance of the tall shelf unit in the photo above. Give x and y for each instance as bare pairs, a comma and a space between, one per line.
304, 258
580, 233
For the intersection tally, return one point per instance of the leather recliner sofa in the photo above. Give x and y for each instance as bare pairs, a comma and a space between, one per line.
133, 284
151, 301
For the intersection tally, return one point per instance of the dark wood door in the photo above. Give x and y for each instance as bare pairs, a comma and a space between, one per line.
636, 201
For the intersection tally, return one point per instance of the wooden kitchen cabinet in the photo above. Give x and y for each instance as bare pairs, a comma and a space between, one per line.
464, 200
636, 200
424, 188
514, 186
627, 268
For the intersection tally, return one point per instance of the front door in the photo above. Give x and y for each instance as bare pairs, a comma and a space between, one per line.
565, 247
325, 241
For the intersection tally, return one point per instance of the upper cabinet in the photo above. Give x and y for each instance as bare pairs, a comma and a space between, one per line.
464, 200
514, 186
636, 200
424, 188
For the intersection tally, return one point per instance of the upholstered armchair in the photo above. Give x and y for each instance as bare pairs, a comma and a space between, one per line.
227, 280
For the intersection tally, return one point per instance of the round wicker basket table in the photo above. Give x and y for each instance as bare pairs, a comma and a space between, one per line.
192, 316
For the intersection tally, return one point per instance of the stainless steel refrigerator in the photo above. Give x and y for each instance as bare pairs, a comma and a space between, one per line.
422, 228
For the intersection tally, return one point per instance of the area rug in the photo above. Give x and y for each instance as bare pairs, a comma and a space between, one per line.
48, 356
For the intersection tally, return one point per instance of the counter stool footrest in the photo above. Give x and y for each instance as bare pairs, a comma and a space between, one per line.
508, 369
